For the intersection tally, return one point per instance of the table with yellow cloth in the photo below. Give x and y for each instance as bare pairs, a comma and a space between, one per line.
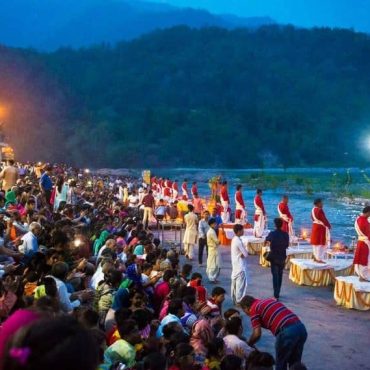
254, 245
350, 292
301, 252
308, 272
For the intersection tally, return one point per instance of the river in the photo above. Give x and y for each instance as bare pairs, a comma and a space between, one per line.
341, 215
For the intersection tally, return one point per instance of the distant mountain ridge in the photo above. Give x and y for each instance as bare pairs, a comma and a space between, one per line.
49, 25
272, 97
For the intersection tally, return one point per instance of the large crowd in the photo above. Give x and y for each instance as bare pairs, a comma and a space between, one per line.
85, 284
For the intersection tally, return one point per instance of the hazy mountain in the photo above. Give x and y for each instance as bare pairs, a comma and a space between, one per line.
50, 24
185, 97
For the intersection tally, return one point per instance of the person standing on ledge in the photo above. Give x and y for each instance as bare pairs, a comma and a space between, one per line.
259, 215
289, 331
362, 255
279, 242
240, 212
175, 190
239, 256
320, 235
191, 232
286, 216
225, 202
194, 189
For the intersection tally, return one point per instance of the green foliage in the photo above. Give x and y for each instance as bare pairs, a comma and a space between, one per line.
275, 97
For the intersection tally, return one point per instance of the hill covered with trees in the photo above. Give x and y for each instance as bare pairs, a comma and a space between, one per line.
277, 96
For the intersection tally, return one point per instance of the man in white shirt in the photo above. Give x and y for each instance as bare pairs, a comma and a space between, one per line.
30, 244
59, 272
133, 200
239, 256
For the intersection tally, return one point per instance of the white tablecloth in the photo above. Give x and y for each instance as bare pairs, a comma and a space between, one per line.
247, 233
358, 286
334, 264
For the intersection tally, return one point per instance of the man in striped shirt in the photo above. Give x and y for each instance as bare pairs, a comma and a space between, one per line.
289, 331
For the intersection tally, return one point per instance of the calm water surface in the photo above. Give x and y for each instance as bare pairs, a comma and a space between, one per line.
341, 216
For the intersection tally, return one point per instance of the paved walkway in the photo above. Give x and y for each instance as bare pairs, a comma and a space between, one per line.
338, 338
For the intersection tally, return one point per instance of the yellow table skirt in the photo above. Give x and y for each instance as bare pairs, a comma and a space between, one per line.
255, 247
312, 277
346, 296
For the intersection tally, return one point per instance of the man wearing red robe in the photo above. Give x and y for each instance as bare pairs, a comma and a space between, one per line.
320, 235
225, 201
259, 215
184, 189
286, 216
362, 255
175, 190
167, 190
194, 189
240, 212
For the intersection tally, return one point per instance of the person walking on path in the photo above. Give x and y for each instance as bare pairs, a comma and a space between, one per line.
279, 242
289, 331
239, 256
149, 205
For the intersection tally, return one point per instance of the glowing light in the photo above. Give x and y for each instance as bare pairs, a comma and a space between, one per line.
367, 143
304, 234
77, 242
89, 183
3, 111
87, 170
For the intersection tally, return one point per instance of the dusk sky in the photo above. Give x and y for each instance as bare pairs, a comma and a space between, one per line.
307, 13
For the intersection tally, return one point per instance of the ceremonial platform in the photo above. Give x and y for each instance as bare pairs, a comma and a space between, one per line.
226, 233
308, 272
352, 293
300, 251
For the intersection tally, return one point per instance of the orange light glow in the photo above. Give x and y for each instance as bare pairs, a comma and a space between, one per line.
304, 234
3, 111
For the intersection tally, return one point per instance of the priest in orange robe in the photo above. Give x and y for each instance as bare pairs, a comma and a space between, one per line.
361, 261
225, 201
184, 189
286, 216
240, 212
259, 215
320, 235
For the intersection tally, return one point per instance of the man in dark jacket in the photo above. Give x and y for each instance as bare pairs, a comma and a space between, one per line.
279, 242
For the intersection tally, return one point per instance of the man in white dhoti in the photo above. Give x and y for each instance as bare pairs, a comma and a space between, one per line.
286, 216
213, 259
240, 212
239, 256
225, 202
191, 232
320, 234
259, 215
361, 261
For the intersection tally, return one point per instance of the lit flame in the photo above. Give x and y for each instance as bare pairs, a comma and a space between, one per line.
304, 234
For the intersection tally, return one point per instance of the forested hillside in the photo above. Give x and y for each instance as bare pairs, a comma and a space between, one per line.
278, 96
